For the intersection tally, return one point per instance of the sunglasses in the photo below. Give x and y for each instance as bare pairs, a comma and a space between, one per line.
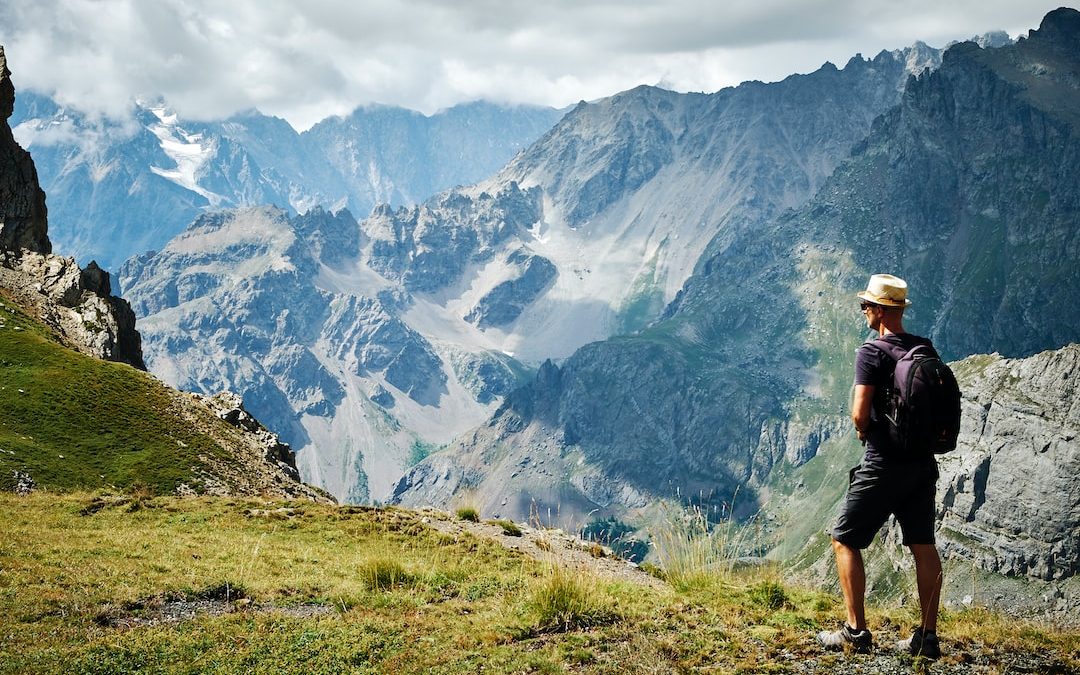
863, 306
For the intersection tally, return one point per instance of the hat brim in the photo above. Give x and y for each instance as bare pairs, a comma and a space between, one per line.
884, 302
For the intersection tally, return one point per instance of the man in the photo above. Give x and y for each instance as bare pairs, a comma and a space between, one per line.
886, 482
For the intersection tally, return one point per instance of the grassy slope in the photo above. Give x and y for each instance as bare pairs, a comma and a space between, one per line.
454, 604
71, 421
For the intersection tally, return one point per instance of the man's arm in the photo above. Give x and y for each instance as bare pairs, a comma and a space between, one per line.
860, 409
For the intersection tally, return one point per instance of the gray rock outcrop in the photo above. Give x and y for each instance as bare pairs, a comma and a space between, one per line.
504, 303
76, 304
1009, 498
230, 407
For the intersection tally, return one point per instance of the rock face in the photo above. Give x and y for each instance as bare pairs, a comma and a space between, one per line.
1009, 499
22, 202
505, 302
284, 311
76, 303
428, 247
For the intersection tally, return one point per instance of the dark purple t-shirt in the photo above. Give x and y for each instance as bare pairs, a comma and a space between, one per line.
875, 367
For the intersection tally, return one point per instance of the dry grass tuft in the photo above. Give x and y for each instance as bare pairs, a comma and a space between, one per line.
383, 574
565, 600
469, 513
694, 553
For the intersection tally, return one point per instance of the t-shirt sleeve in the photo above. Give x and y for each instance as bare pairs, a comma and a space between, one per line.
867, 362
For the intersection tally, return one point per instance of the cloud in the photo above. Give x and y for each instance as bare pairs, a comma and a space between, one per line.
305, 61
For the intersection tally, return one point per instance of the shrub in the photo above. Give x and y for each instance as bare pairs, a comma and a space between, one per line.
469, 513
769, 595
509, 528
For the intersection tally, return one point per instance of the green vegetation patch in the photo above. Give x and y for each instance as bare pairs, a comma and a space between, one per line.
509, 527
74, 422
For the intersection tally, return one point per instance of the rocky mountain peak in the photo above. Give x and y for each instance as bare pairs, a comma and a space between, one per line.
1060, 27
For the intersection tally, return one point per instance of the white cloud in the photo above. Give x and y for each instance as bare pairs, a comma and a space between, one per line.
305, 61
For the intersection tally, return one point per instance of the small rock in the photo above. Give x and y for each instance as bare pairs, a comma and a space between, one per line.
24, 484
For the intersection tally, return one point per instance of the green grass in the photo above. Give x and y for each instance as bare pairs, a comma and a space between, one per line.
75, 422
392, 594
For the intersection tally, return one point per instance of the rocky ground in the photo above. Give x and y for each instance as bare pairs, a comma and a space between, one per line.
546, 545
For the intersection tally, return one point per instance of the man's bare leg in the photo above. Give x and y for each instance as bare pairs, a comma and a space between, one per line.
849, 567
929, 578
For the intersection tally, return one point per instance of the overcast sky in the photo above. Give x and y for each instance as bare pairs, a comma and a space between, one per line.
309, 59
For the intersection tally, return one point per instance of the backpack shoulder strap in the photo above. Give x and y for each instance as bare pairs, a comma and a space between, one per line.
894, 352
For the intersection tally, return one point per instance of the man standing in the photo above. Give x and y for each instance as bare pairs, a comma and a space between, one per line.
886, 481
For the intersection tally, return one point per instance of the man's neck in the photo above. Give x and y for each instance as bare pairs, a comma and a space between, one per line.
890, 329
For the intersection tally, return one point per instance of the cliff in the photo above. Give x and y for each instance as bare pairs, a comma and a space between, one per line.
76, 303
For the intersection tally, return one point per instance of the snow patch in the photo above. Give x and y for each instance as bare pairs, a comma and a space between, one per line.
187, 151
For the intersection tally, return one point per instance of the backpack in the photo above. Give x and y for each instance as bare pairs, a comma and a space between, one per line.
922, 404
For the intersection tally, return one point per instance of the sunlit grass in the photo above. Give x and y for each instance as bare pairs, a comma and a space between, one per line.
303, 588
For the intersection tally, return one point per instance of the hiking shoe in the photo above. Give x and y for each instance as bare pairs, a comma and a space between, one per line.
861, 641
921, 643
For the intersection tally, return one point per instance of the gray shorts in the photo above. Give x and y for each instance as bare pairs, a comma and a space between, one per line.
876, 491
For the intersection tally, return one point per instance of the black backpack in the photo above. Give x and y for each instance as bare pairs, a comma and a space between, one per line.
922, 405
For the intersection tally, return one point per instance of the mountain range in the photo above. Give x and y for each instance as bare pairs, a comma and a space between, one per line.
121, 187
369, 344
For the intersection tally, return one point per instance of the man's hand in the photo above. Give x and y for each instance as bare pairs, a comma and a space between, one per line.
860, 409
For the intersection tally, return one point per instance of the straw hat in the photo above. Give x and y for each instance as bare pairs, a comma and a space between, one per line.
887, 290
